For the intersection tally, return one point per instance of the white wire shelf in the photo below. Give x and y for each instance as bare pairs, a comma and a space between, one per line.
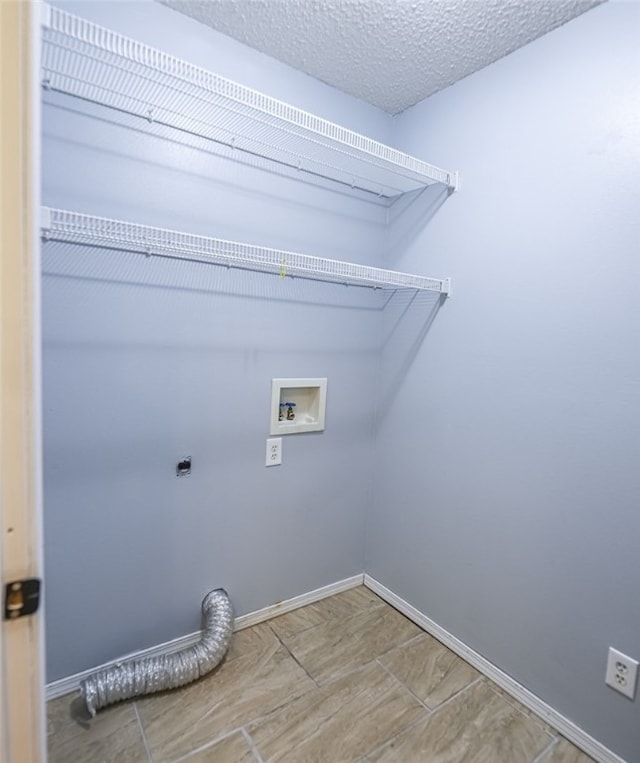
95, 64
76, 228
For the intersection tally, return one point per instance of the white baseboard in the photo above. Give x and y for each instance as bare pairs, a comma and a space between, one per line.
281, 608
72, 683
563, 725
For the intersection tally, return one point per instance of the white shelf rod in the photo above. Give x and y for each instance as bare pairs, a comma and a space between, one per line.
88, 230
96, 64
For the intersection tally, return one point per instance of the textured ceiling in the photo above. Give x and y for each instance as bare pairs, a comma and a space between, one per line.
391, 53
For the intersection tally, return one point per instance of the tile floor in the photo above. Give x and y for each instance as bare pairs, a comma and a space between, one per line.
345, 679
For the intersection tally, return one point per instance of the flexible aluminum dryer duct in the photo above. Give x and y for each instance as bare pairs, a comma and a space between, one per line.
169, 671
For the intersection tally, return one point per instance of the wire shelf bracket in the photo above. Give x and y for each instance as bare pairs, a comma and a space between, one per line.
76, 228
96, 64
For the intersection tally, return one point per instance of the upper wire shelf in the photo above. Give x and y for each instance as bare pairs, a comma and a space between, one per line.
76, 228
96, 64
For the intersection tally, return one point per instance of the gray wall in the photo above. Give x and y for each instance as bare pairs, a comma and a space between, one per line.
508, 449
149, 360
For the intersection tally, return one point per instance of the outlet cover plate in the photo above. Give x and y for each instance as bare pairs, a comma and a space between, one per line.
274, 451
622, 673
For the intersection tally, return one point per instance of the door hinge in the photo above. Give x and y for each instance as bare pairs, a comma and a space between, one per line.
21, 597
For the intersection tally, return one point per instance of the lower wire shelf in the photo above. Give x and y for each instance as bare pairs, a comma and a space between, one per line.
76, 228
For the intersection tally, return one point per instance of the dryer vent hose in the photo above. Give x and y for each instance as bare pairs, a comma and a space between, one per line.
168, 671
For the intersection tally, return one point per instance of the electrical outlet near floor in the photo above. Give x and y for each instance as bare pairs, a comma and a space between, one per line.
622, 672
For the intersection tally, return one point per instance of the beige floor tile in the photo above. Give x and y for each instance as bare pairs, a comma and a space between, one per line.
301, 619
430, 670
476, 726
339, 722
326, 651
360, 597
245, 687
247, 640
565, 752
73, 737
519, 706
340, 605
231, 749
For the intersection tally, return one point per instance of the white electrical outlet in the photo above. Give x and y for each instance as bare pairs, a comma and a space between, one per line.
274, 451
622, 672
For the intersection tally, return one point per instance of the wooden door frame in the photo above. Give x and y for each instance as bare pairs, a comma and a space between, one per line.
22, 727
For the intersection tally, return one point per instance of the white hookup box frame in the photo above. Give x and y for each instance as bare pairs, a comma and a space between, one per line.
307, 414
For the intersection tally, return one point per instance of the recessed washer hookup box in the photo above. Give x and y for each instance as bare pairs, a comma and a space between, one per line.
297, 405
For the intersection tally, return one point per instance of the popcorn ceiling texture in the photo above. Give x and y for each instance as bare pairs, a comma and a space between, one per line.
390, 53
